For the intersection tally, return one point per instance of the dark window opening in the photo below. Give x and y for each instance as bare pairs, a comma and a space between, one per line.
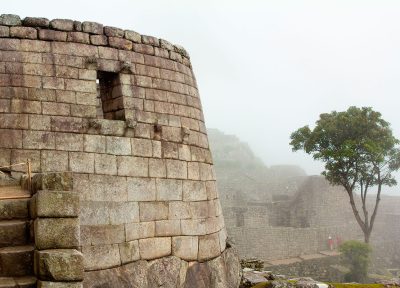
109, 96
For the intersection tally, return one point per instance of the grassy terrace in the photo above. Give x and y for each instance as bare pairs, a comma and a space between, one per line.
336, 285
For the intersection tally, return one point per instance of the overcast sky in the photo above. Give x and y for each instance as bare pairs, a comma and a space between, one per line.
266, 68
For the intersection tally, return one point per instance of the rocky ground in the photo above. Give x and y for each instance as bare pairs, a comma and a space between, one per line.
266, 279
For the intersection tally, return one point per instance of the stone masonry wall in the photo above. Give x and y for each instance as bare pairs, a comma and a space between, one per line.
142, 166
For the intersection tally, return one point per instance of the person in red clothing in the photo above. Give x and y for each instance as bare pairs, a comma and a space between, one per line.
330, 242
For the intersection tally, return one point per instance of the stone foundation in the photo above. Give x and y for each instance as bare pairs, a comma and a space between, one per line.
170, 272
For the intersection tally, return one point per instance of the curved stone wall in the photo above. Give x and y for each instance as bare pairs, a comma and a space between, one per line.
135, 141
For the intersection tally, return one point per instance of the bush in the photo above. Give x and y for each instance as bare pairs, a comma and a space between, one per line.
355, 255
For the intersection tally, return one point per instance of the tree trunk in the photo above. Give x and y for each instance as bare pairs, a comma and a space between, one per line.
367, 235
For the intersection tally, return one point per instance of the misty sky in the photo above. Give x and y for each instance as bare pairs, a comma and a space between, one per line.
266, 68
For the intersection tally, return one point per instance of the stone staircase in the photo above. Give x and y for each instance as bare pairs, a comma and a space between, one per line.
16, 243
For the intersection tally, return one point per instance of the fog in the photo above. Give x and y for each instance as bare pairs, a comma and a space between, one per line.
266, 68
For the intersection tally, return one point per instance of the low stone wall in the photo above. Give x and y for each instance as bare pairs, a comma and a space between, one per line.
319, 267
271, 243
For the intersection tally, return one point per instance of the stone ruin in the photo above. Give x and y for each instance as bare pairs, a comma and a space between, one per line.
123, 187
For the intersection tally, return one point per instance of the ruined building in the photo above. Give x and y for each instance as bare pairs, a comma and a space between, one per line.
278, 214
120, 181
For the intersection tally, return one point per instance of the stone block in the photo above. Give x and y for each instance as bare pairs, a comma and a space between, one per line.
124, 212
211, 188
153, 248
69, 141
94, 213
10, 20
49, 284
52, 35
142, 147
66, 96
79, 37
92, 27
169, 189
168, 228
80, 85
83, 111
105, 188
150, 40
176, 169
81, 162
26, 106
23, 32
4, 31
185, 247
133, 166
101, 257
209, 247
57, 204
108, 53
62, 24
88, 74
222, 239
10, 138
52, 233
14, 121
38, 140
113, 32
105, 234
21, 156
99, 40
143, 49
184, 152
120, 43
53, 181
194, 191
157, 168
193, 171
54, 161
169, 150
36, 22
133, 36
78, 26
129, 251
60, 265
141, 189
179, 210
39, 122
206, 171
94, 143
166, 45
118, 146
105, 164
5, 157
53, 83
151, 211
140, 230
193, 227
199, 210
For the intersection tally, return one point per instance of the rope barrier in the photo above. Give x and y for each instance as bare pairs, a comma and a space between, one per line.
18, 164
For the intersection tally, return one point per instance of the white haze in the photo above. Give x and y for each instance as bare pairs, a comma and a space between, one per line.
266, 68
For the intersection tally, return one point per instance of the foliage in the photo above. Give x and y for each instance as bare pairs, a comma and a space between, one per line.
359, 152
355, 255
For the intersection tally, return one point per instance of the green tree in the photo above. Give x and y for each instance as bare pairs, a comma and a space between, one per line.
360, 153
355, 255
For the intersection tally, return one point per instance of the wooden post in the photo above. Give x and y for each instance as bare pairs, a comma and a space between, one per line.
29, 175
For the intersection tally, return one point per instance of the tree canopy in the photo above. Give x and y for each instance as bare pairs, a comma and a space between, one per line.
359, 152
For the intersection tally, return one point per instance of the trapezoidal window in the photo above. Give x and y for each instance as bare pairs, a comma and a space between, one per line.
109, 96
